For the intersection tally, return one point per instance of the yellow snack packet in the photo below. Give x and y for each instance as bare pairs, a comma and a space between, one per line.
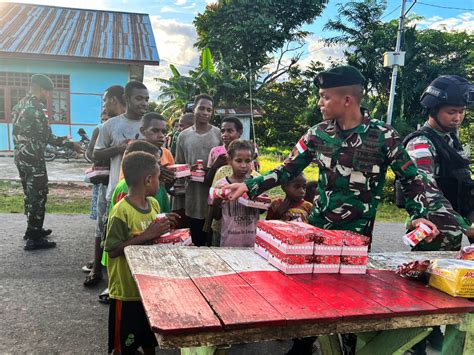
455, 277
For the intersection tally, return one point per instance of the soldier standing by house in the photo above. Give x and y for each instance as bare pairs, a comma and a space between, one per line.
31, 133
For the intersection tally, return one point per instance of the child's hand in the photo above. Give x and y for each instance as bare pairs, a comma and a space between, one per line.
173, 219
283, 208
166, 175
158, 228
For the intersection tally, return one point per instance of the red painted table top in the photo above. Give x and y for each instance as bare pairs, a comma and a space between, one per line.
187, 290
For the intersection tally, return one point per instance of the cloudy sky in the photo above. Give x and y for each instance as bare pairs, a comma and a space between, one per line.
175, 33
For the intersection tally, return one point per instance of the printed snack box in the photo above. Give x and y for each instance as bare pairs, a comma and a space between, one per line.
326, 264
354, 243
328, 243
285, 237
353, 264
261, 247
455, 277
177, 236
180, 170
197, 171
291, 264
417, 235
261, 202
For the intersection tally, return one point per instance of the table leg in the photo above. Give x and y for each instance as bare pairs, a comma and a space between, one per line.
204, 350
330, 345
459, 338
394, 341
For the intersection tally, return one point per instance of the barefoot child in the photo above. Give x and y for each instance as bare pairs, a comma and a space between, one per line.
132, 222
238, 222
293, 207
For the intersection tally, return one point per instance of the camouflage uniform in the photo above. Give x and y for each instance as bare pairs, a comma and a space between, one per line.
450, 223
31, 133
352, 168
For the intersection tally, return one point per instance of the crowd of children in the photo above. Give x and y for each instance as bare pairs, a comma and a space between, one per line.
147, 187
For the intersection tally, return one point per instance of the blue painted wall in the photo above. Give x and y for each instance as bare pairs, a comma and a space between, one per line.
88, 82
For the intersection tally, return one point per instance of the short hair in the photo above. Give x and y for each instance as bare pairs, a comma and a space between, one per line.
188, 117
237, 123
132, 85
150, 116
293, 179
203, 96
238, 144
137, 165
116, 91
142, 146
356, 91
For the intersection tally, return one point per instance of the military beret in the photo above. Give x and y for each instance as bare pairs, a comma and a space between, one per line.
340, 76
42, 81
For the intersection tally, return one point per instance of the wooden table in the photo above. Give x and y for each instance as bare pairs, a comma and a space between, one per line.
204, 297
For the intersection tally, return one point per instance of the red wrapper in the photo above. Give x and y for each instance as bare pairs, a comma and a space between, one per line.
466, 253
218, 193
354, 260
326, 259
415, 270
160, 217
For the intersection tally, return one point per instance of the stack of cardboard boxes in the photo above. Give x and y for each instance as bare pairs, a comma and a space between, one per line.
300, 248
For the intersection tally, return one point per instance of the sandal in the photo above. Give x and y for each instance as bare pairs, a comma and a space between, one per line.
104, 297
88, 267
92, 280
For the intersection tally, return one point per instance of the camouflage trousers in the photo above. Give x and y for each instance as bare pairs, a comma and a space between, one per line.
34, 180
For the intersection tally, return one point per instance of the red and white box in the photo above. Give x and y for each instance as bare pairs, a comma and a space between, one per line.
328, 243
177, 236
354, 244
261, 202
261, 247
180, 170
285, 237
291, 264
353, 264
198, 175
326, 264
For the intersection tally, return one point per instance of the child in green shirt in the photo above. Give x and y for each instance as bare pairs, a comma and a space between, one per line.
132, 221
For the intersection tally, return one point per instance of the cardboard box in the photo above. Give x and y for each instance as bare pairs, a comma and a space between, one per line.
288, 267
353, 264
198, 176
287, 232
260, 202
260, 248
177, 236
326, 264
180, 170
285, 240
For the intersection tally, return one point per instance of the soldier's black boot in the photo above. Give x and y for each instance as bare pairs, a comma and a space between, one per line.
44, 232
36, 240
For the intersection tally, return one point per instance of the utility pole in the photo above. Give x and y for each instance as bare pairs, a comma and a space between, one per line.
396, 63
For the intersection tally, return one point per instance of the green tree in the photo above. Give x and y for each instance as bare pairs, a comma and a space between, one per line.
429, 53
224, 85
245, 34
290, 108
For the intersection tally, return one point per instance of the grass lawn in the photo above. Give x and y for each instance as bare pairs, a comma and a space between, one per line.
75, 199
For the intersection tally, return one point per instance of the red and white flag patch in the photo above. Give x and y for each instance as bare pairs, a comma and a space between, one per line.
301, 146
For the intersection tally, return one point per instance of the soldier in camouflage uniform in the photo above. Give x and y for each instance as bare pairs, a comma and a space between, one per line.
353, 153
31, 133
445, 99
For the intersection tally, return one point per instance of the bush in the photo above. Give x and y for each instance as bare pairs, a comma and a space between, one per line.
389, 188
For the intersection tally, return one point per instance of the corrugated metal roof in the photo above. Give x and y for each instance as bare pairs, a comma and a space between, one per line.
105, 36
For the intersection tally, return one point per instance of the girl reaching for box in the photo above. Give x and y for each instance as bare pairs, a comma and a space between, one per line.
238, 222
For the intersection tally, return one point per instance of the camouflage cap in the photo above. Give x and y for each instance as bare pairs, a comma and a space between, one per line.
340, 76
42, 81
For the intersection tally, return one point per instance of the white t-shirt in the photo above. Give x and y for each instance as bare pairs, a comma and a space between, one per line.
111, 134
